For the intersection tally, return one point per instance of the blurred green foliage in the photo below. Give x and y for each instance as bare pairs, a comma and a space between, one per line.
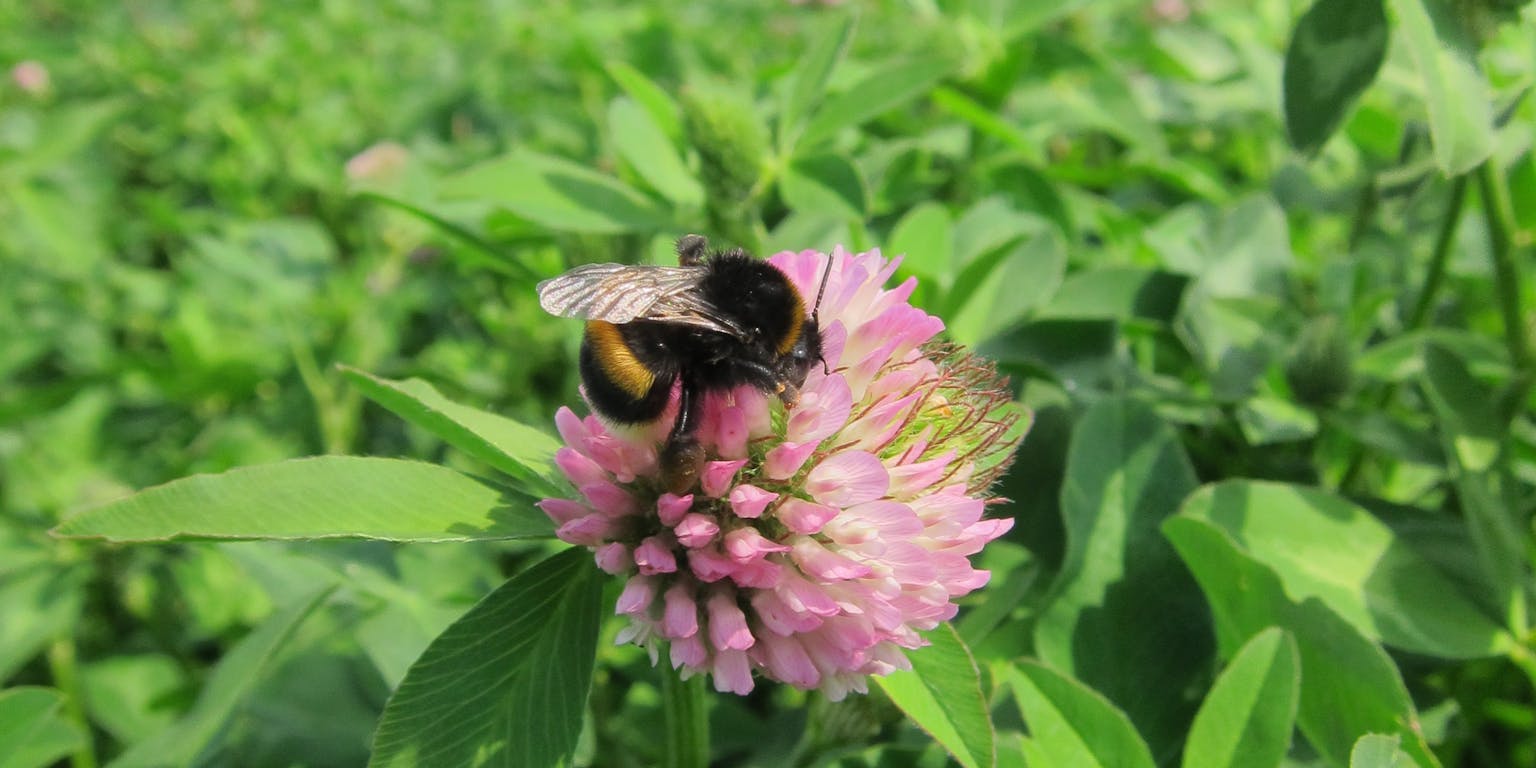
207, 207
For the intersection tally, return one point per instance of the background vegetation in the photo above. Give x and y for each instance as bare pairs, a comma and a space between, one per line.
1267, 307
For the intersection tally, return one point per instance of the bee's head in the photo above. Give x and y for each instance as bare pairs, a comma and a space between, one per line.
795, 364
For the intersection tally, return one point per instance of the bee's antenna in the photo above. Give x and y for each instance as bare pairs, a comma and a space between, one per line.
825, 273
816, 311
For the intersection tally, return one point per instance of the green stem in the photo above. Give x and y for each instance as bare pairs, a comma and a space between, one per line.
687, 719
1499, 212
1433, 278
1365, 210
65, 669
1440, 256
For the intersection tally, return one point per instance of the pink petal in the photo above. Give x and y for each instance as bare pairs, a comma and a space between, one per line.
949, 504
745, 545
717, 475
571, 428
613, 558
562, 511
848, 635
754, 409
822, 411
760, 574
587, 531
802, 596
915, 477
689, 652
749, 501
910, 564
710, 565
778, 617
785, 459
892, 519
670, 508
732, 672
608, 498
731, 433
833, 338
787, 661
877, 427
696, 530
727, 624
654, 555
803, 516
681, 617
824, 564
978, 534
847, 478
578, 468
638, 593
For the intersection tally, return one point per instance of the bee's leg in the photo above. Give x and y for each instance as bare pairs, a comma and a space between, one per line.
767, 379
788, 393
691, 250
682, 457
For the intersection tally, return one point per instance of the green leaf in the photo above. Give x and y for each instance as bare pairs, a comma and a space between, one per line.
1334, 55
33, 730
885, 89
1070, 723
517, 449
924, 239
558, 194
1126, 619
317, 498
1472, 435
1246, 719
1350, 686
1118, 293
662, 109
1324, 547
1455, 93
942, 694
506, 684
232, 680
1466, 407
647, 149
128, 695
809, 81
825, 183
1401, 358
1379, 750
1267, 420
481, 252
1027, 276
40, 604
1066, 350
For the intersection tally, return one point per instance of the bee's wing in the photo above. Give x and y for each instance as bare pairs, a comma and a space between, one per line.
622, 293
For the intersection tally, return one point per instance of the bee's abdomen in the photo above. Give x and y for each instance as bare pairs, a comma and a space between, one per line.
627, 380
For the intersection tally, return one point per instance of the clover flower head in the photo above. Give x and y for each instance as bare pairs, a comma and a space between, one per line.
822, 538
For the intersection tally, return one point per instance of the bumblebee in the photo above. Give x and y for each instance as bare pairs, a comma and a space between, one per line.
718, 320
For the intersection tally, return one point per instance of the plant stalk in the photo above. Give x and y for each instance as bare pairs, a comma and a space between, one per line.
1499, 213
1433, 278
65, 669
1441, 255
685, 710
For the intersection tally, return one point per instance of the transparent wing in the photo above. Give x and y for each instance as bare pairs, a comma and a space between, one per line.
623, 293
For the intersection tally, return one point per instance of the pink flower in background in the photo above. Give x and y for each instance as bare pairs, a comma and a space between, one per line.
822, 538
31, 77
378, 162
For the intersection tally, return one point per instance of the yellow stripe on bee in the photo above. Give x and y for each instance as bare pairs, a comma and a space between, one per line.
796, 324
617, 360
